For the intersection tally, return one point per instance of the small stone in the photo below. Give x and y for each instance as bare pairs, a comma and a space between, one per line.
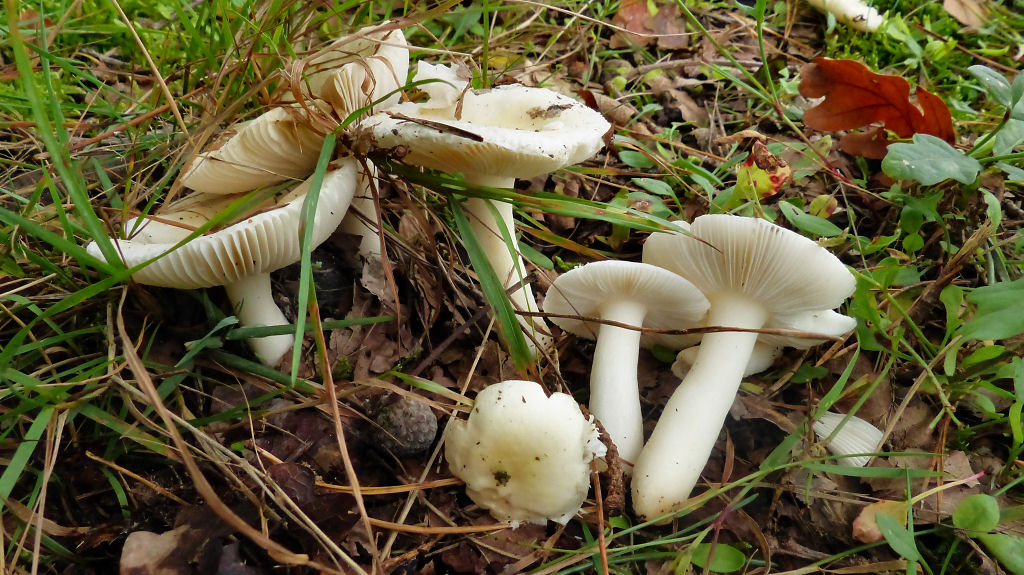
405, 426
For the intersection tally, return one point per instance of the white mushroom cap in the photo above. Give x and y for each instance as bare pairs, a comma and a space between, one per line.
276, 146
671, 302
633, 294
761, 359
826, 323
783, 270
241, 256
523, 455
508, 131
752, 272
855, 13
855, 436
261, 243
357, 70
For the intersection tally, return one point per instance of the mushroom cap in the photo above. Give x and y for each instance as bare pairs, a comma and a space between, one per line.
671, 301
356, 70
261, 243
523, 455
827, 323
782, 270
276, 146
762, 357
856, 436
507, 131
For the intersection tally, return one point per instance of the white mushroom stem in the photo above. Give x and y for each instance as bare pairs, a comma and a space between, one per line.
253, 302
614, 399
506, 261
678, 449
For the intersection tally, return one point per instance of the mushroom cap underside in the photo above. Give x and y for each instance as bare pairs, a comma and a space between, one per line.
276, 146
671, 301
781, 269
258, 244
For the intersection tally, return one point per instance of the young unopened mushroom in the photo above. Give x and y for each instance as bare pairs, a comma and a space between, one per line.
848, 436
523, 455
632, 294
241, 256
751, 271
492, 137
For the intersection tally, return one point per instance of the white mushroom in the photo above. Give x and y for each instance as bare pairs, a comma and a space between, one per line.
492, 137
751, 271
241, 256
359, 69
824, 323
762, 357
855, 13
848, 436
632, 294
523, 455
276, 146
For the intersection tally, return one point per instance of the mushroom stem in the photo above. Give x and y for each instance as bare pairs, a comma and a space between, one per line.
506, 262
253, 302
682, 441
614, 395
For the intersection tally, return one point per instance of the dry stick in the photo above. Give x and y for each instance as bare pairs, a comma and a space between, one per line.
339, 429
156, 72
277, 551
602, 545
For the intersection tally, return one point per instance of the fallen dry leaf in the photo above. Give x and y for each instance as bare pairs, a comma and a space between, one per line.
967, 12
855, 97
664, 26
865, 527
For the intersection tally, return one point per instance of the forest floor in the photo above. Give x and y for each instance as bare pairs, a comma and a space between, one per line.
132, 413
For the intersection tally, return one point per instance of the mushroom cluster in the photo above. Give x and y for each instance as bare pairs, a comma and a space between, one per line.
282, 145
492, 137
756, 275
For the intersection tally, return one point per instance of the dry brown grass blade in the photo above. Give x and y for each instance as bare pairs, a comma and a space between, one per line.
203, 487
339, 429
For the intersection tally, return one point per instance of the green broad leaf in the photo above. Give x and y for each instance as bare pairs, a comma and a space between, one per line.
929, 160
1007, 549
656, 187
898, 537
635, 159
991, 320
993, 210
982, 355
1013, 173
1009, 137
978, 512
996, 85
807, 223
724, 558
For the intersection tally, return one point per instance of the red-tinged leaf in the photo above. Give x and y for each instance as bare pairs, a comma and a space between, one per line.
856, 97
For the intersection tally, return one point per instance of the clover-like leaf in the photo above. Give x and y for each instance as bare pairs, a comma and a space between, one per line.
929, 160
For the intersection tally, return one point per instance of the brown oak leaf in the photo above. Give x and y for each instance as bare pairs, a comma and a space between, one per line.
855, 97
